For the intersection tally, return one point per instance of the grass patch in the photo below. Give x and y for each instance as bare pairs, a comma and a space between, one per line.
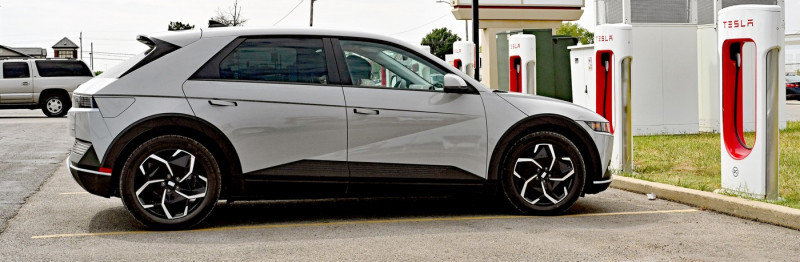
693, 161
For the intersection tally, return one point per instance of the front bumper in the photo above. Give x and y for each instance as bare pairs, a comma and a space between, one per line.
605, 146
85, 169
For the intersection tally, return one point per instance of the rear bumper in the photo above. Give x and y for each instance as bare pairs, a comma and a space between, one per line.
85, 169
94, 182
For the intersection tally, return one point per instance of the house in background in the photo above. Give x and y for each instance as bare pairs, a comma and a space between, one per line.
65, 49
22, 52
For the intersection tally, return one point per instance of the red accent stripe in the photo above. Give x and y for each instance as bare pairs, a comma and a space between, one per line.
519, 7
600, 73
729, 79
515, 77
105, 170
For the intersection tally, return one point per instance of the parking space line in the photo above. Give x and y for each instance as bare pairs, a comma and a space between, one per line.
365, 222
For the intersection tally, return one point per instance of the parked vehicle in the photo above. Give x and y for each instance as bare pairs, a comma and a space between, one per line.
41, 83
792, 87
235, 113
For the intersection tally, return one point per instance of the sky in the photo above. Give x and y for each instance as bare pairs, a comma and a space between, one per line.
112, 25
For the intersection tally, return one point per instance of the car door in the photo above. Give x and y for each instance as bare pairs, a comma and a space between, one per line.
402, 126
16, 84
275, 100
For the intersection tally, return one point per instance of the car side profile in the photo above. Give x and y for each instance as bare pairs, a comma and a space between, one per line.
238, 114
41, 83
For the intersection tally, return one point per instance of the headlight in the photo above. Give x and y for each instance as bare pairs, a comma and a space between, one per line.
603, 127
82, 101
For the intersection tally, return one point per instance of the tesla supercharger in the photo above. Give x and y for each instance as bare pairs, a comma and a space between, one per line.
522, 63
613, 55
448, 58
464, 57
749, 39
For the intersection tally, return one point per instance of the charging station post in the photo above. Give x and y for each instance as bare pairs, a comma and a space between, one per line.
464, 57
613, 56
750, 43
522, 63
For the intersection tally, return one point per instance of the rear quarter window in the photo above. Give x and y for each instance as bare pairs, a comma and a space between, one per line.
60, 68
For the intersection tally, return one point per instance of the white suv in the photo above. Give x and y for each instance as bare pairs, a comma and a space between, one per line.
41, 83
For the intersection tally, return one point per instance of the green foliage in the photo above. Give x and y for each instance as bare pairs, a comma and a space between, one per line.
441, 41
97, 73
573, 29
175, 26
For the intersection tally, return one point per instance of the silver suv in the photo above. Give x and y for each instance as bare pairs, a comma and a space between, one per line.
238, 113
41, 83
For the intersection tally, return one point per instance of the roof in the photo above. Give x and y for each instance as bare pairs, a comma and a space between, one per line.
31, 51
65, 43
14, 50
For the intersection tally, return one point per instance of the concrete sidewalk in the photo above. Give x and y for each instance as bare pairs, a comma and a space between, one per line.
739, 207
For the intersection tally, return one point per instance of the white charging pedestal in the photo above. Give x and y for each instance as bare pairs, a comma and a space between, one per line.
749, 48
522, 63
464, 57
613, 55
448, 58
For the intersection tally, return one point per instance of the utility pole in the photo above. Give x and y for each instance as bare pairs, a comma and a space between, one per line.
311, 19
475, 37
91, 55
80, 37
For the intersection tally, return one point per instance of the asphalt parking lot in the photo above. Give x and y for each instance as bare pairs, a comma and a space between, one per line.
59, 221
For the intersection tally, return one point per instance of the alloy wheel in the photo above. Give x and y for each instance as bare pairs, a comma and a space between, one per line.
168, 185
543, 176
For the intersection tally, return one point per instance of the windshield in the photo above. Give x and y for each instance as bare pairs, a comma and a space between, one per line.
792, 79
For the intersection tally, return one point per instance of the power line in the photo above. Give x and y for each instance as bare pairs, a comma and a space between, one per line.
290, 12
110, 54
417, 27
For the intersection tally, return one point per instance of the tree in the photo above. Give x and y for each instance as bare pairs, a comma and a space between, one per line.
232, 17
441, 41
175, 26
574, 29
97, 73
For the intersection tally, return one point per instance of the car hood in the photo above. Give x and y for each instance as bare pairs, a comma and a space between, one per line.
536, 105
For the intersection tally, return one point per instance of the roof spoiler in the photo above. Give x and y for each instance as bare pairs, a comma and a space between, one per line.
145, 40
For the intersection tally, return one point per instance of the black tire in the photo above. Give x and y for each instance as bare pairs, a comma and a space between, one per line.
531, 170
183, 206
55, 105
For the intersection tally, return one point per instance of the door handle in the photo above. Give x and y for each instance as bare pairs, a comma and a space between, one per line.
366, 111
24, 83
215, 102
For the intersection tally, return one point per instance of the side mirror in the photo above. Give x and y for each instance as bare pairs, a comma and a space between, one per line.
455, 84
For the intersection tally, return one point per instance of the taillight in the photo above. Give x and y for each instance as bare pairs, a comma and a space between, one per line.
792, 84
81, 101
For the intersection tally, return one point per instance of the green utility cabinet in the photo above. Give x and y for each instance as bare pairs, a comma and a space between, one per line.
553, 76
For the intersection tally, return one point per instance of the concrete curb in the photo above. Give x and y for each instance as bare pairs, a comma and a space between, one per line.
739, 207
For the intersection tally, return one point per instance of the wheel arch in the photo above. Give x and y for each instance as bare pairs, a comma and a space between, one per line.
553, 123
48, 91
175, 124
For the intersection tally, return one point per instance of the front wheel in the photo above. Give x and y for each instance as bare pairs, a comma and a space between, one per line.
543, 173
55, 105
170, 182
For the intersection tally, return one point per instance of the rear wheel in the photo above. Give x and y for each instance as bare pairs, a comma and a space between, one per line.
170, 182
543, 173
55, 105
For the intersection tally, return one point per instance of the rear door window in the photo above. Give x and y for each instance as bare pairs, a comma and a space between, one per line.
293, 60
16, 70
61, 68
